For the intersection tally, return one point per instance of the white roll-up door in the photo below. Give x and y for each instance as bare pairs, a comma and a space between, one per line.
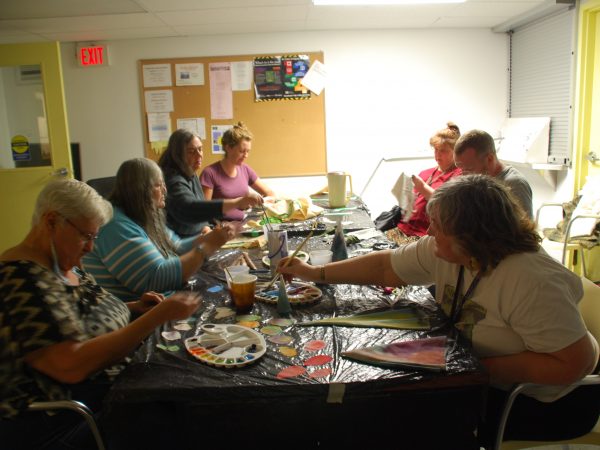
541, 77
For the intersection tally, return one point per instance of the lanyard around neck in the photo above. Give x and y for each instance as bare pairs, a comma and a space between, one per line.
457, 301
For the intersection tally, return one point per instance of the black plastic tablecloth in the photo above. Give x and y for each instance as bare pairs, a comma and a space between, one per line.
175, 389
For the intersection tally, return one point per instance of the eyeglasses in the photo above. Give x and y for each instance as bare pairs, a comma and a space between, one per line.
85, 237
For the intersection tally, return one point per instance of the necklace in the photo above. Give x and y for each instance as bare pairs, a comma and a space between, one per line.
457, 302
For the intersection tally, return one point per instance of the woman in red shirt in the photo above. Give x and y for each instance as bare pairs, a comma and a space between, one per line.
417, 222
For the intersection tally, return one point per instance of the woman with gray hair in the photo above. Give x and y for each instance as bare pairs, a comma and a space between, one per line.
60, 332
500, 290
188, 212
136, 251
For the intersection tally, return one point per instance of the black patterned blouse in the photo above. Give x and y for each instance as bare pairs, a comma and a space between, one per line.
38, 310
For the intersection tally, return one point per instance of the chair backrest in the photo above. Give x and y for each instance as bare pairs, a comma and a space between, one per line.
589, 306
104, 186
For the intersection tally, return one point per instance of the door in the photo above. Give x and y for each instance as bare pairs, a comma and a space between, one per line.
587, 122
34, 140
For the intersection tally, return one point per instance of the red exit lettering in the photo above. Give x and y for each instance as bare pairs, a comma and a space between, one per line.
92, 56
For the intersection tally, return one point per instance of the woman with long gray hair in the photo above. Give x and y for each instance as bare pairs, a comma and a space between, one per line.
136, 251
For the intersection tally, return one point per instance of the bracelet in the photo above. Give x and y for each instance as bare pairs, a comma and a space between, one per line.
322, 272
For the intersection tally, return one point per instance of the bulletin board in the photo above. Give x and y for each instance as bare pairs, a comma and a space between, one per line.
289, 134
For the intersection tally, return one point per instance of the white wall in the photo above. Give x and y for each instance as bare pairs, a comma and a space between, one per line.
388, 92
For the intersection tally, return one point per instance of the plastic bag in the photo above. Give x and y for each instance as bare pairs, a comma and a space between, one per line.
389, 219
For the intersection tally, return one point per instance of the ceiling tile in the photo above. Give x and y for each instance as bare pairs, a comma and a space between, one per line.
234, 15
30, 9
191, 5
246, 27
497, 9
95, 36
83, 23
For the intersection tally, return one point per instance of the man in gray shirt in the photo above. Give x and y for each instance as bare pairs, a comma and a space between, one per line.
475, 152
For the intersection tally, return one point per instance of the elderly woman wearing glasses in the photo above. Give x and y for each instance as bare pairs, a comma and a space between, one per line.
136, 251
188, 212
59, 330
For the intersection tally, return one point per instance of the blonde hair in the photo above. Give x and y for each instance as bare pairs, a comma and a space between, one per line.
235, 135
448, 135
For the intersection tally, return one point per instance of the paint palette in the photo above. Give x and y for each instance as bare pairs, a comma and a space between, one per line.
226, 346
302, 256
298, 293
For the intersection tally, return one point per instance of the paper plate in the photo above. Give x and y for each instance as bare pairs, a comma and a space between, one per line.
299, 293
226, 346
302, 256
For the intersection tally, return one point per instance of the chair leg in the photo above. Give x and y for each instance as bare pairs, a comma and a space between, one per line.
77, 407
583, 267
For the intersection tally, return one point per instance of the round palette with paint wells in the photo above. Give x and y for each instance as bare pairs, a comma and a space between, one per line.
226, 346
298, 293
302, 256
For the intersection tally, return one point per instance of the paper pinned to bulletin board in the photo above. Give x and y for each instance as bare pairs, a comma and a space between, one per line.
216, 136
289, 136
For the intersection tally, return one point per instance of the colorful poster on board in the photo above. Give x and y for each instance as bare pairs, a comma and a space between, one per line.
268, 84
294, 68
279, 77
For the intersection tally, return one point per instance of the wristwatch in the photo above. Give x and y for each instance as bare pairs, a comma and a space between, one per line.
200, 249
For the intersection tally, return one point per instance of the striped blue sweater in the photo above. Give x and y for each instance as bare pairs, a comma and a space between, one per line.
126, 262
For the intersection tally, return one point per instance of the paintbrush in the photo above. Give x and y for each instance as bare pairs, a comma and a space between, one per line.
267, 223
293, 255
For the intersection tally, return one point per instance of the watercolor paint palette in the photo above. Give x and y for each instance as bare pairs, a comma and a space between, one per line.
226, 346
298, 293
302, 256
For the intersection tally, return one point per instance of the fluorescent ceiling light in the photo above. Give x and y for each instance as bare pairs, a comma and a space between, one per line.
380, 2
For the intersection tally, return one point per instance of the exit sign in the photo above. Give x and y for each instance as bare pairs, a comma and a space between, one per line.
92, 55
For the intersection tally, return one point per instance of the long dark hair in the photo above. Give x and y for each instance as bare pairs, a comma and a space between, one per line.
173, 158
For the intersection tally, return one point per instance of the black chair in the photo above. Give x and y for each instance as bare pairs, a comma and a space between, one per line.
104, 186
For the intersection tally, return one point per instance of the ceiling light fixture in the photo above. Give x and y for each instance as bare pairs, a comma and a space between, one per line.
380, 2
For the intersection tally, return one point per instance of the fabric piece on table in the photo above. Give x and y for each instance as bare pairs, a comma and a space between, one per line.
405, 318
428, 353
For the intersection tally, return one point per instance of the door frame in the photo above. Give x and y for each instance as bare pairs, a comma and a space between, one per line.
588, 68
19, 187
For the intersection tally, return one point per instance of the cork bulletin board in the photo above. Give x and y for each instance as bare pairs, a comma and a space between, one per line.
289, 134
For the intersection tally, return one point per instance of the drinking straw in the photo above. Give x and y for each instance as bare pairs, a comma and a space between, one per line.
229, 274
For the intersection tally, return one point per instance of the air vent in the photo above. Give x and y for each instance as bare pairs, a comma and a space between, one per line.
29, 74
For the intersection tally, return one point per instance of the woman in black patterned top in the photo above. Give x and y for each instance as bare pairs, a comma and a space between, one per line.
61, 334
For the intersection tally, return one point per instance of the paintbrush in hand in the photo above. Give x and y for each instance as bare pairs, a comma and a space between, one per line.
293, 256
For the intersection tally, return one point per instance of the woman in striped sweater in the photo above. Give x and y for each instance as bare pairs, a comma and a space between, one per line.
136, 252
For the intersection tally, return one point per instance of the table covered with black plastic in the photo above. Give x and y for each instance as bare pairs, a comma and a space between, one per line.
182, 402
